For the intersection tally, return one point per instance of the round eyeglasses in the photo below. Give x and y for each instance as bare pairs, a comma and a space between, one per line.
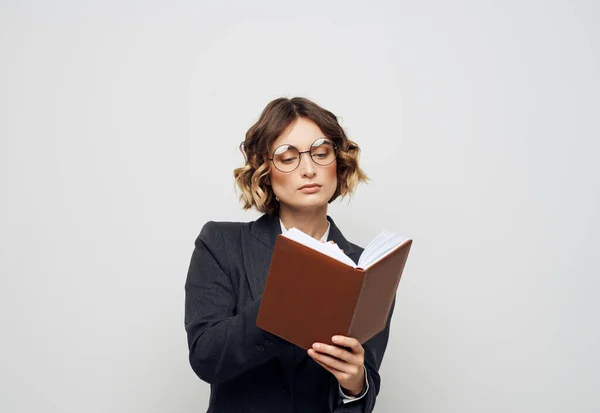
286, 158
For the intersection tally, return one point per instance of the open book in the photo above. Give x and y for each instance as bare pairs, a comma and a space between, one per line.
379, 247
314, 291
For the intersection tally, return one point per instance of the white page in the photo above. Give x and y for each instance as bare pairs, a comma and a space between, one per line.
381, 245
372, 248
327, 248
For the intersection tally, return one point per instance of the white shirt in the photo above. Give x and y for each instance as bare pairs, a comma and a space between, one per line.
344, 396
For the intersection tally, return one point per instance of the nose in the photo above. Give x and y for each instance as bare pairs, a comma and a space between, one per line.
307, 166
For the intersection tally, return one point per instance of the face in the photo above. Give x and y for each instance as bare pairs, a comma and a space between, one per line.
309, 185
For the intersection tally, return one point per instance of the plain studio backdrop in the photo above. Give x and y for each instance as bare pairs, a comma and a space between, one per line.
478, 122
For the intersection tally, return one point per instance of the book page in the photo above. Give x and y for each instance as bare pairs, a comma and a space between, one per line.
327, 248
382, 245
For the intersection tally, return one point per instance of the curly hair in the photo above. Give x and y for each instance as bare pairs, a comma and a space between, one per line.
275, 119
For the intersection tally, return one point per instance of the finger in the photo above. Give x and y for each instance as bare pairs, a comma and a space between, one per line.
349, 342
330, 369
340, 376
336, 351
333, 363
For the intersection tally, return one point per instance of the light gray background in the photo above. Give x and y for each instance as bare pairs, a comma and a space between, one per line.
478, 121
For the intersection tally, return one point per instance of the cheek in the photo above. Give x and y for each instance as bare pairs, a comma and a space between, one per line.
332, 174
278, 180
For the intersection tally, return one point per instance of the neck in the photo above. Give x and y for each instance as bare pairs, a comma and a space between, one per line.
311, 221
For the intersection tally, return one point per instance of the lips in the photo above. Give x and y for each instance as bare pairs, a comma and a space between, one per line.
310, 186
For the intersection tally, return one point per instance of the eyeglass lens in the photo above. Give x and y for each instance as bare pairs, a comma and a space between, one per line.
287, 157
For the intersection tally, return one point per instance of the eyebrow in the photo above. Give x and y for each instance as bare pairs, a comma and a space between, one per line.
289, 144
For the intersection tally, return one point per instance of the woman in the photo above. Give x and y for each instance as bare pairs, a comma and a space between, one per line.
298, 160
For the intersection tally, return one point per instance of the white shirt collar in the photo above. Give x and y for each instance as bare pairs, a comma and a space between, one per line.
323, 238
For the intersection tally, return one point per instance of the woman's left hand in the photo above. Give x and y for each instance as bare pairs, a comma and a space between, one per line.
345, 360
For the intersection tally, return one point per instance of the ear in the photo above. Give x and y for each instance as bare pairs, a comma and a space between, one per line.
268, 180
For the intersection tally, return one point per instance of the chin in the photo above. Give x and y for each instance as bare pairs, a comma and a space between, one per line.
304, 201
310, 202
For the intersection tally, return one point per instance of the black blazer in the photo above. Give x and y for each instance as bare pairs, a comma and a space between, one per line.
249, 369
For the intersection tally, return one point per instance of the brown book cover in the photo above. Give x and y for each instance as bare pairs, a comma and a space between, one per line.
310, 297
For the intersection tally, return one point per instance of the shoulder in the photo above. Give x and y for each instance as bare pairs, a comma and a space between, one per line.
223, 227
222, 232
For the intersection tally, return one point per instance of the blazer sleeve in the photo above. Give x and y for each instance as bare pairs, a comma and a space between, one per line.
223, 341
374, 351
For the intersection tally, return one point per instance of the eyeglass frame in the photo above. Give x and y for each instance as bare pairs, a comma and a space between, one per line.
335, 151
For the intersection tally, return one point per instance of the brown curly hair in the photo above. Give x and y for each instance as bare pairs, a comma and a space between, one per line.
275, 119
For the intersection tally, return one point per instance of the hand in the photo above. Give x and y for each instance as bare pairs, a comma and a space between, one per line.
345, 360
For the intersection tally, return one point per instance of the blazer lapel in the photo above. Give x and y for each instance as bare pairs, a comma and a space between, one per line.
258, 249
336, 236
259, 244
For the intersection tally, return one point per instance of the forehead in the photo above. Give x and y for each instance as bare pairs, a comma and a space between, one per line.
301, 134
